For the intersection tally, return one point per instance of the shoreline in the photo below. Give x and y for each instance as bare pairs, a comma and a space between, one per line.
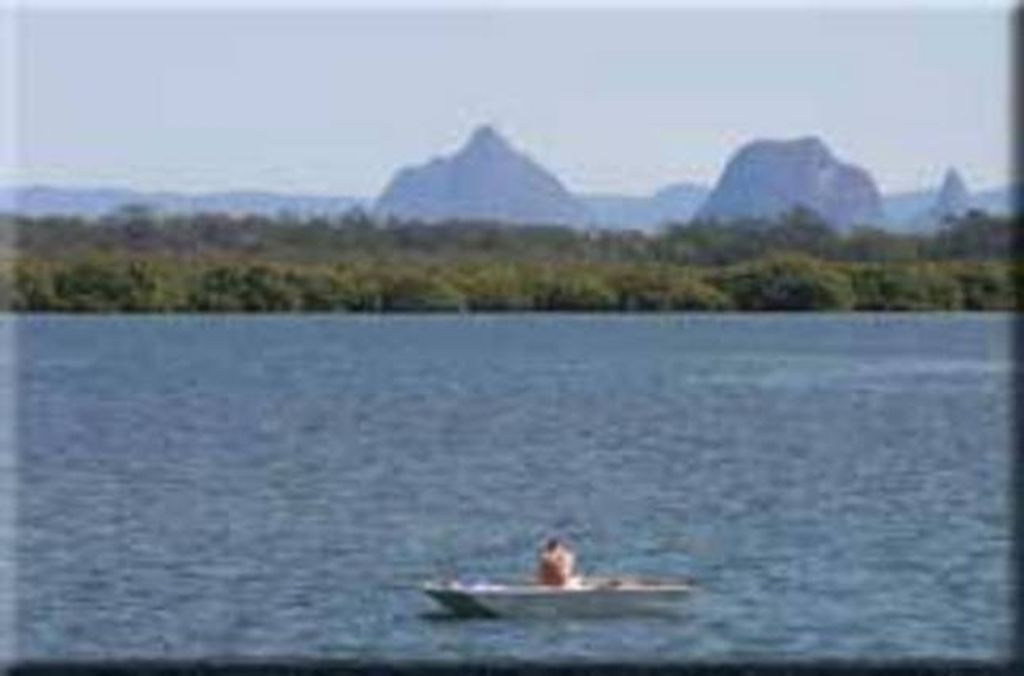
566, 314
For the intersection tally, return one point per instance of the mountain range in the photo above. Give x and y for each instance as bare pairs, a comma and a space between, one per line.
96, 202
676, 203
488, 178
923, 210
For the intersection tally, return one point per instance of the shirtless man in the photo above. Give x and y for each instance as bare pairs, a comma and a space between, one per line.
557, 564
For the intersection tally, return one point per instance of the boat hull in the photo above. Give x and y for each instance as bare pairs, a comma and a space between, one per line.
495, 601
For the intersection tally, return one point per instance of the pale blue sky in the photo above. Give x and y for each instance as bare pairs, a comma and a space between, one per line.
336, 101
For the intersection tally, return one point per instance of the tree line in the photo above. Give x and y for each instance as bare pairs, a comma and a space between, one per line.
356, 237
135, 261
780, 282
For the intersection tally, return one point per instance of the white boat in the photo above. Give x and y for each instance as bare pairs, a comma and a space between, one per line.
585, 598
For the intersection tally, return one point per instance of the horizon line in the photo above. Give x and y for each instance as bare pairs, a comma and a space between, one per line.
327, 193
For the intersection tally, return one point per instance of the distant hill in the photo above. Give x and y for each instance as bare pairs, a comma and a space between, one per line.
902, 208
676, 203
487, 179
768, 177
952, 200
93, 203
925, 210
903, 212
995, 201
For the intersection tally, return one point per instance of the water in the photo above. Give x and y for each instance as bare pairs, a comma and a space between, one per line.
202, 487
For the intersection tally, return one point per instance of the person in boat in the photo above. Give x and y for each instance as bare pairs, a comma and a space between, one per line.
557, 565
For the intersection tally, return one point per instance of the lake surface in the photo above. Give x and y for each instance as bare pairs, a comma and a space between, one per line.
278, 486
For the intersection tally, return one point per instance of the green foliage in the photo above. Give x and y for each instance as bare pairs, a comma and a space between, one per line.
354, 238
905, 287
976, 236
33, 288
572, 290
872, 245
135, 261
789, 282
782, 283
150, 288
7, 286
319, 290
94, 286
665, 289
986, 286
493, 288
714, 243
418, 291
269, 289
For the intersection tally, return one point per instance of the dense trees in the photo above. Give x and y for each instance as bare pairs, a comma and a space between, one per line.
911, 287
137, 262
355, 237
778, 283
791, 282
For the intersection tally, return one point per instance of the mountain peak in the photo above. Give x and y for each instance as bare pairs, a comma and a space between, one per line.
769, 177
953, 182
808, 146
486, 179
953, 197
486, 137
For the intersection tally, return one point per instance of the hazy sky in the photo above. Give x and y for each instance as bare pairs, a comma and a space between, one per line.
336, 101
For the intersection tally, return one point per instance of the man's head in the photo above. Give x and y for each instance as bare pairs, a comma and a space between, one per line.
552, 544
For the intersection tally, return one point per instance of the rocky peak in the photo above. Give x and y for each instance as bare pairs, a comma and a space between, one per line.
766, 178
484, 138
953, 198
487, 178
